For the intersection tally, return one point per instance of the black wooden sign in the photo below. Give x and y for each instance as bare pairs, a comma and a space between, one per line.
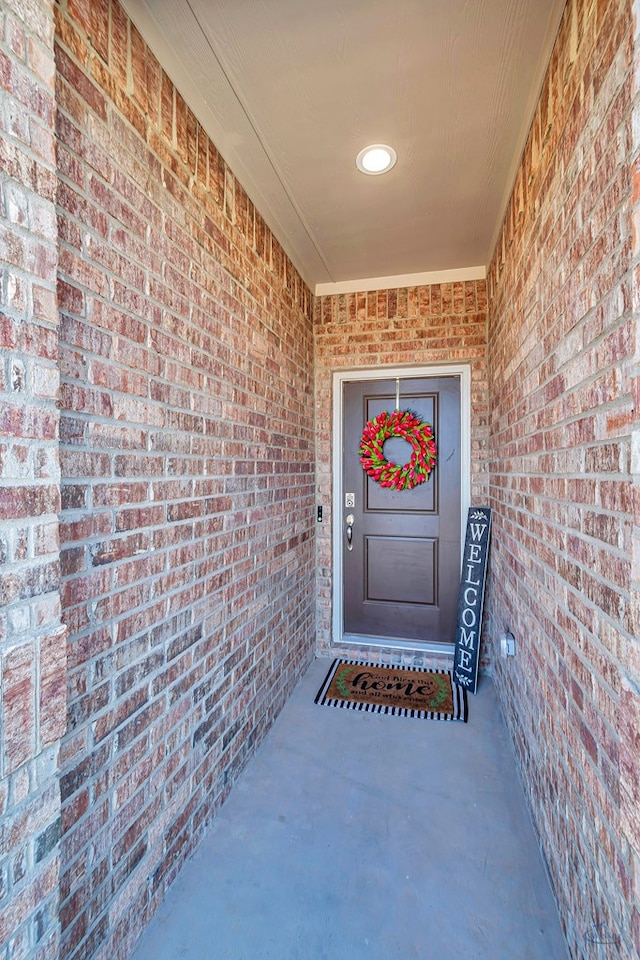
471, 599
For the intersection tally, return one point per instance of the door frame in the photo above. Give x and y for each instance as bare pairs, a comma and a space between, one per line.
463, 372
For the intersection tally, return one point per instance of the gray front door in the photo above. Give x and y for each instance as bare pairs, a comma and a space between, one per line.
402, 573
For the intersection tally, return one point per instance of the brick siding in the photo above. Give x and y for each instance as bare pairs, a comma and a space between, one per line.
32, 640
432, 324
630, 695
165, 634
562, 334
187, 452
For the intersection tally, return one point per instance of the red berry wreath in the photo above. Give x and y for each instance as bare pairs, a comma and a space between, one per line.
409, 427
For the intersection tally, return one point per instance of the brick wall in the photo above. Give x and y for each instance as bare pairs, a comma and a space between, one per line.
188, 477
32, 645
562, 337
188, 491
630, 699
436, 324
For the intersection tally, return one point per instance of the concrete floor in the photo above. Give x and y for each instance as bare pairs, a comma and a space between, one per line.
353, 836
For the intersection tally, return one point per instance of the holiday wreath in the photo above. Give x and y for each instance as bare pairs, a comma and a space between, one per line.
409, 427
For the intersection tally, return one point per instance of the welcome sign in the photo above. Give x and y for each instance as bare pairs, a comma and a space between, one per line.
471, 598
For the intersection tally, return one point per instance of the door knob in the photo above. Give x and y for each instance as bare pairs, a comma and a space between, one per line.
349, 520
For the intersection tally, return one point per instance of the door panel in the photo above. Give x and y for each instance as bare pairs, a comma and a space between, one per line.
402, 574
409, 558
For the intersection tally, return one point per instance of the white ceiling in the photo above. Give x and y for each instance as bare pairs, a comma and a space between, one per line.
291, 90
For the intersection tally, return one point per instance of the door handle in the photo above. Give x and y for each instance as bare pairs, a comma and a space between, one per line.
349, 520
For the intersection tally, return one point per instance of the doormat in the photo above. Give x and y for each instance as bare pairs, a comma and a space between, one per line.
397, 691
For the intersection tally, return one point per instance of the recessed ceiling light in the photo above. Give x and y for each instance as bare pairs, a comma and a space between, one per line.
376, 159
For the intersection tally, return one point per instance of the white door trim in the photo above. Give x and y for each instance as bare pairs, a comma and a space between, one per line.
340, 377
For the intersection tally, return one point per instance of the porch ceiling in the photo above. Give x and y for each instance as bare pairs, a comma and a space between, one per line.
291, 90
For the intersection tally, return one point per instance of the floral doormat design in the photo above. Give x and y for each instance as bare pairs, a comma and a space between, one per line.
397, 691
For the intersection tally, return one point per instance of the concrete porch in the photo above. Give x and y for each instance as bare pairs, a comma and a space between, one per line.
361, 836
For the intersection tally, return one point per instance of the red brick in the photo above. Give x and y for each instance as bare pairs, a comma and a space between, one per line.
18, 697
178, 362
33, 681
143, 370
53, 692
559, 281
80, 83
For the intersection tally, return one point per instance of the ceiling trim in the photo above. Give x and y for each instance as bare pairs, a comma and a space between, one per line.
402, 280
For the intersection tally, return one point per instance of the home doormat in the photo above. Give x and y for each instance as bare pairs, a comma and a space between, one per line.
397, 691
